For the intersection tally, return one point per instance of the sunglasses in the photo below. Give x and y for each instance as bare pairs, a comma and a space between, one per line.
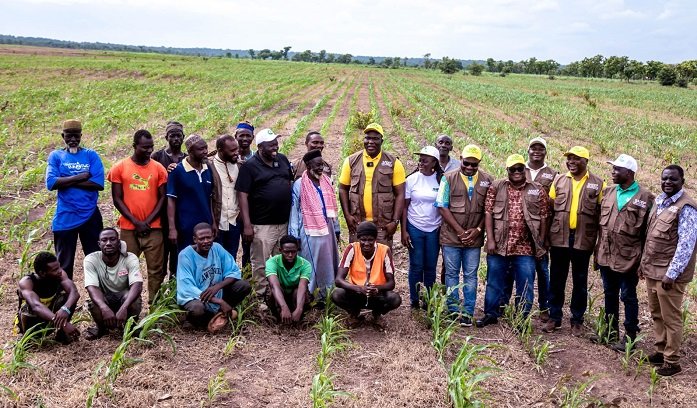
516, 169
469, 164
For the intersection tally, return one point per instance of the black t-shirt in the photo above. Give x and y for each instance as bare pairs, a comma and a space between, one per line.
45, 288
268, 189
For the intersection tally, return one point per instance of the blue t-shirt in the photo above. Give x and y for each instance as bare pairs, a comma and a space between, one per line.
74, 205
196, 273
193, 193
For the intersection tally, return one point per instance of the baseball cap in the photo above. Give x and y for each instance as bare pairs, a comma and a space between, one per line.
374, 127
537, 140
514, 159
579, 151
472, 151
626, 161
265, 135
72, 124
429, 151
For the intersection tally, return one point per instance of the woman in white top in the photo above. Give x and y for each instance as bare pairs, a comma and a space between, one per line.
421, 222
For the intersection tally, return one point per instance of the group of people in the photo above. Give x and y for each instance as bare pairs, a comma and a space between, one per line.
188, 212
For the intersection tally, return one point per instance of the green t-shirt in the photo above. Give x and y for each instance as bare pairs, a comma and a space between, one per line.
290, 279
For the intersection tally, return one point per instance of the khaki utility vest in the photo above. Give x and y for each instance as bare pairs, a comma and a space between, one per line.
383, 194
468, 213
545, 177
531, 212
621, 234
587, 215
662, 242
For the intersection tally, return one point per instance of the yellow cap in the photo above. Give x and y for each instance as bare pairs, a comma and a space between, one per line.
472, 151
514, 159
72, 124
579, 151
374, 127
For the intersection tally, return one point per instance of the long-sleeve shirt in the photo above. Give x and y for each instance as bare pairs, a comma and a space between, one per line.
295, 223
687, 233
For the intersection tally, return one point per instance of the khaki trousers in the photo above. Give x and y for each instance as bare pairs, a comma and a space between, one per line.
666, 312
152, 246
264, 246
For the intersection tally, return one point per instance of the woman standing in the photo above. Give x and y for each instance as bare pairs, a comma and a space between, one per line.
422, 222
313, 220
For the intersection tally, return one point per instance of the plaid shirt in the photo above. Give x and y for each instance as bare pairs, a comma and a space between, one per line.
687, 233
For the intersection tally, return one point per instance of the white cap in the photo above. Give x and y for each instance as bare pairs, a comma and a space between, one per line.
626, 161
536, 141
265, 135
430, 151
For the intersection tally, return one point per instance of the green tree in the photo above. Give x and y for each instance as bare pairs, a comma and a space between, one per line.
592, 67
251, 53
322, 57
667, 75
449, 66
491, 65
285, 52
371, 61
687, 69
475, 69
652, 69
264, 54
344, 59
427, 60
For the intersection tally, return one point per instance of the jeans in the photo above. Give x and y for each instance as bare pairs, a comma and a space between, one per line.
502, 271
616, 286
423, 258
65, 241
230, 239
560, 258
454, 259
542, 271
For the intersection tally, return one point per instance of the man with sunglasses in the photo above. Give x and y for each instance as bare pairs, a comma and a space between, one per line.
576, 199
460, 201
536, 170
224, 170
516, 228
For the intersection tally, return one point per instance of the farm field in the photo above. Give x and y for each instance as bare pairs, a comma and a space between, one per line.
115, 94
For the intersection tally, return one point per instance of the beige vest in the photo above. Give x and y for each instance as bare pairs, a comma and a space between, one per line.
545, 177
587, 215
468, 213
383, 194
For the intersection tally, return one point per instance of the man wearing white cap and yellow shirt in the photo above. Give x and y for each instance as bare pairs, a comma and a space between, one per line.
460, 201
624, 214
264, 187
536, 170
371, 187
576, 197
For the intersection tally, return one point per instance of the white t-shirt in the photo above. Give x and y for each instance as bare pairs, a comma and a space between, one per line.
422, 191
113, 279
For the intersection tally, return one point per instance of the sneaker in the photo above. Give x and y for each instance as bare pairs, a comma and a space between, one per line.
466, 321
656, 359
668, 370
544, 316
577, 330
415, 305
551, 326
486, 320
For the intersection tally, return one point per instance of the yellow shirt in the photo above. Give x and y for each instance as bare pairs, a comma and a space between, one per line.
474, 179
398, 177
576, 187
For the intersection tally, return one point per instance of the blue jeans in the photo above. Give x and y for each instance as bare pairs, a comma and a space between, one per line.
502, 271
423, 258
621, 286
542, 270
230, 239
455, 258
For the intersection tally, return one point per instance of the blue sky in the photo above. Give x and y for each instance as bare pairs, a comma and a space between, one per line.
466, 29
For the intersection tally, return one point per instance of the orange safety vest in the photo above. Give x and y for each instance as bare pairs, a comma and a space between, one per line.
357, 274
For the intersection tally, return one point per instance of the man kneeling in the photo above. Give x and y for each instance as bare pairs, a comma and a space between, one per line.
114, 282
208, 279
47, 297
289, 276
366, 276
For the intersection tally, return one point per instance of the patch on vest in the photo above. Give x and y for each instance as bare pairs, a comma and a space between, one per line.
534, 192
673, 209
593, 186
484, 183
547, 176
386, 163
639, 203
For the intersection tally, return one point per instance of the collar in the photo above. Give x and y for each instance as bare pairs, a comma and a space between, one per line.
188, 167
527, 166
584, 178
663, 199
217, 159
633, 186
366, 157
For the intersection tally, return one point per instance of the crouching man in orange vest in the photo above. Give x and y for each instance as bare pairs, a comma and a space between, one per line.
366, 276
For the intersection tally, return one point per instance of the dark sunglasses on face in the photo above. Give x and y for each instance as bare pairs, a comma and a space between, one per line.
516, 169
468, 164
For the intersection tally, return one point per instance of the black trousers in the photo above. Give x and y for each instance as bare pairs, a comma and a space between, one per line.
233, 294
354, 302
560, 259
114, 300
65, 241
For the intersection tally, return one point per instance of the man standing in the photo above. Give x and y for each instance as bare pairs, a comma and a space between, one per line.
114, 282
460, 201
444, 143
77, 174
244, 134
190, 193
516, 226
225, 207
264, 186
169, 157
573, 233
47, 297
624, 213
208, 279
138, 190
371, 187
313, 141
289, 276
537, 170
366, 276
668, 264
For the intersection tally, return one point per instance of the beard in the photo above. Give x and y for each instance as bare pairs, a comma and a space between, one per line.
317, 174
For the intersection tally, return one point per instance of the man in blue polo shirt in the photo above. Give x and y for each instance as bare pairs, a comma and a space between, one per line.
77, 174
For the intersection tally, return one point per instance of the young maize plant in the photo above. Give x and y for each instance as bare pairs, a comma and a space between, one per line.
33, 337
521, 325
466, 374
244, 310
577, 396
632, 353
442, 325
218, 386
604, 329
